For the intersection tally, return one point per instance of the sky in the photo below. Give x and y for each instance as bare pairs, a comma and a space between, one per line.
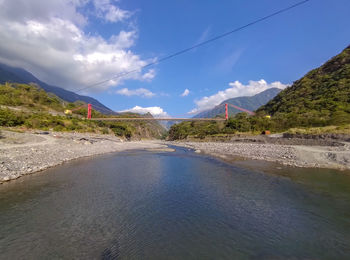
74, 44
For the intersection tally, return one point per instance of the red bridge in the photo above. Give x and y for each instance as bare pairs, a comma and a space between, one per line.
89, 106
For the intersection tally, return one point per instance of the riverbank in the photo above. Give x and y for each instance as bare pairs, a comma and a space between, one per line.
336, 155
30, 152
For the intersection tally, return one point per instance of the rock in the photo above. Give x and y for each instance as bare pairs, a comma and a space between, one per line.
42, 133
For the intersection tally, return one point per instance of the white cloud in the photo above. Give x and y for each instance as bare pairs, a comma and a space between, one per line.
142, 92
110, 12
149, 75
155, 111
237, 89
20, 11
49, 40
185, 93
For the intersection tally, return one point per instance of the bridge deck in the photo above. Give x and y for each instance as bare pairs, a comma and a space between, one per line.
157, 119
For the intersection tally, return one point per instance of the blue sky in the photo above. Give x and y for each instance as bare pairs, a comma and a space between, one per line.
275, 52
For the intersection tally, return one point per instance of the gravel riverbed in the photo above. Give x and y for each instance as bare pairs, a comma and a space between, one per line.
26, 153
29, 152
334, 157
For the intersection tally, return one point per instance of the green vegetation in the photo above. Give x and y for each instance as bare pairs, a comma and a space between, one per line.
29, 107
343, 129
317, 103
320, 98
244, 124
194, 128
241, 123
10, 118
29, 96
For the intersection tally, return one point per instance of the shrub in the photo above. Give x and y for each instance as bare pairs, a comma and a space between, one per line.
121, 130
10, 118
105, 131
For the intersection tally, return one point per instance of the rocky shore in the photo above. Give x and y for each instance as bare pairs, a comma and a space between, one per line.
26, 153
319, 156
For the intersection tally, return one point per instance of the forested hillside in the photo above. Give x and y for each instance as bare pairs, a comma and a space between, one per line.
321, 97
18, 75
30, 107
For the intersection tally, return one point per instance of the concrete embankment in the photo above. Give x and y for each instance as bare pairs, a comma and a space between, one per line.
26, 153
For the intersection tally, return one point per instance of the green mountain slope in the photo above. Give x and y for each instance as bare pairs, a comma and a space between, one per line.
317, 103
247, 102
18, 75
29, 106
321, 97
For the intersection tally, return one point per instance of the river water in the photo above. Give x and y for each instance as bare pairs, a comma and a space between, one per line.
145, 205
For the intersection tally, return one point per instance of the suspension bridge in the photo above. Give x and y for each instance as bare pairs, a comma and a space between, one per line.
170, 56
90, 107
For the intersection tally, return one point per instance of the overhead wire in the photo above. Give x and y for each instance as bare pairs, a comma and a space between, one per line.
123, 74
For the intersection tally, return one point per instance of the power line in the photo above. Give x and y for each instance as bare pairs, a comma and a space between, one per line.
120, 75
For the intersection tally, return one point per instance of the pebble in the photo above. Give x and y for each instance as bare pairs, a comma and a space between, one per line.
284, 154
21, 160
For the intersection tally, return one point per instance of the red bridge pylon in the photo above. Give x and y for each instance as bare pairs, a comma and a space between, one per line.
89, 112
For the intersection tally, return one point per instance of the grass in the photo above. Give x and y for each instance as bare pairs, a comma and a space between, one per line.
343, 129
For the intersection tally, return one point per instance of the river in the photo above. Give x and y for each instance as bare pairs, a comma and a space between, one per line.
180, 205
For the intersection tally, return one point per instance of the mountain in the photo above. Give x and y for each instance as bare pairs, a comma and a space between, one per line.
31, 107
247, 102
317, 103
321, 97
18, 75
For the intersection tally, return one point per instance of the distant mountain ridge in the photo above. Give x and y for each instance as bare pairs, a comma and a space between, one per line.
247, 102
18, 75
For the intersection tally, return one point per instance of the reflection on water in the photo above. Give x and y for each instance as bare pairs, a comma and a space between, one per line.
143, 205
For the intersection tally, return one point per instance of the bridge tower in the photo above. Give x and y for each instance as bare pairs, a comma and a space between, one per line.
89, 111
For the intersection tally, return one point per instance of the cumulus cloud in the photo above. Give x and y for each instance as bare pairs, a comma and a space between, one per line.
185, 93
236, 89
48, 38
141, 92
154, 111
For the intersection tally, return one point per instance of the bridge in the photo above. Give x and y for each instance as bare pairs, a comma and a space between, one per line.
156, 118
90, 107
